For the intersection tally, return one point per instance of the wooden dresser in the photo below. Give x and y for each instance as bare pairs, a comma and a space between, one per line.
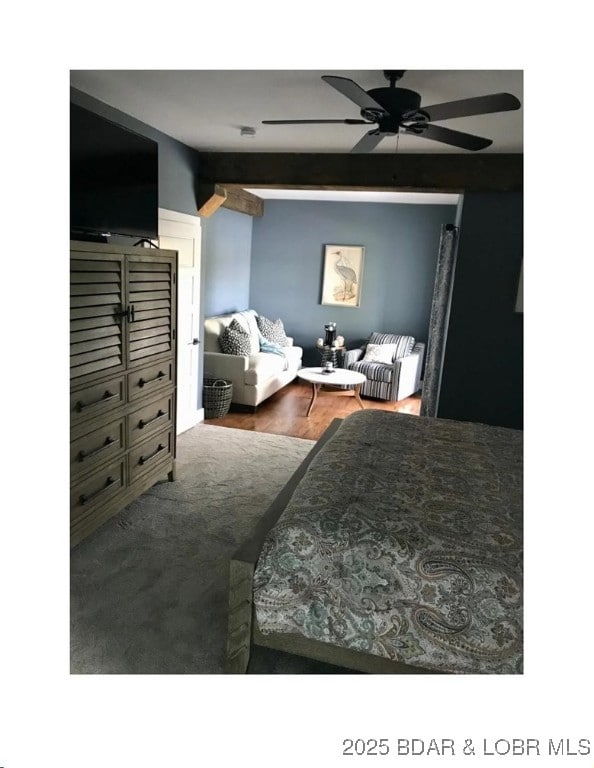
123, 309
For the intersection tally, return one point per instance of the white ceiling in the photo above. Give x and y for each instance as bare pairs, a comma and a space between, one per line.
206, 109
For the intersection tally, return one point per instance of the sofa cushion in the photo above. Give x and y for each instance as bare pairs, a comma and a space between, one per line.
272, 330
263, 366
234, 340
293, 355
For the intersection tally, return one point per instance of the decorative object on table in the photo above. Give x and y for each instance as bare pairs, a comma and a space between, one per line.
329, 347
330, 329
216, 397
343, 271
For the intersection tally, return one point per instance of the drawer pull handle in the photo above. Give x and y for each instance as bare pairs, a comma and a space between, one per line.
142, 424
82, 455
142, 460
107, 395
142, 382
84, 499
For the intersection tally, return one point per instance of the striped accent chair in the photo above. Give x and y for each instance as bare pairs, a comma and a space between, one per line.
393, 380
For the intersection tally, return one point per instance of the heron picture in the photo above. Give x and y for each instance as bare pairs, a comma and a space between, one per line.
343, 272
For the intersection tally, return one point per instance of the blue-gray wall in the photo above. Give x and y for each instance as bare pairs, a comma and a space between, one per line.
178, 164
226, 255
401, 244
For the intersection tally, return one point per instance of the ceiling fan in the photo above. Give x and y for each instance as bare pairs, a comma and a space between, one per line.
398, 110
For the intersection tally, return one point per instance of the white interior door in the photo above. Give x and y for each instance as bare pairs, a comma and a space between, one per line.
181, 232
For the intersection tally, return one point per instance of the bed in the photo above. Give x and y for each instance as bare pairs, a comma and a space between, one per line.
395, 548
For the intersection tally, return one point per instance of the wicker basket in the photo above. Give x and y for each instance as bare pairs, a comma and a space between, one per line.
216, 397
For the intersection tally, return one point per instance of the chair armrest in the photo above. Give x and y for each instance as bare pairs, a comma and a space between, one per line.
350, 356
407, 373
218, 365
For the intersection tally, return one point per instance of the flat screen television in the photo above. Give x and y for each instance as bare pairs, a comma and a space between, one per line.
113, 179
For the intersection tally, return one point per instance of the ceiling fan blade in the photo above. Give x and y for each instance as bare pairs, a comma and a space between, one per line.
479, 105
348, 121
447, 136
368, 142
352, 91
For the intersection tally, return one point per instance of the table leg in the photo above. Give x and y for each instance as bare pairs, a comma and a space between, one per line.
356, 390
314, 394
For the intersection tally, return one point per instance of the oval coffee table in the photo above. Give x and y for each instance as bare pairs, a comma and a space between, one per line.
340, 377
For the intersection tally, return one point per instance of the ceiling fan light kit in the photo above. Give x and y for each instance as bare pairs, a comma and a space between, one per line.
394, 110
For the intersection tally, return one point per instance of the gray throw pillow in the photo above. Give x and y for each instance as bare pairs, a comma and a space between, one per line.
272, 330
234, 340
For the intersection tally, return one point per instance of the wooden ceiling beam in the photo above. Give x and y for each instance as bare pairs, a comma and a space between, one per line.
212, 196
406, 172
209, 198
243, 202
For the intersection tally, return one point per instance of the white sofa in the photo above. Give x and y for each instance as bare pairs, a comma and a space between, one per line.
255, 377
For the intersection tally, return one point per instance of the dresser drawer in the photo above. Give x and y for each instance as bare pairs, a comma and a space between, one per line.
153, 417
149, 454
103, 444
147, 380
96, 490
97, 399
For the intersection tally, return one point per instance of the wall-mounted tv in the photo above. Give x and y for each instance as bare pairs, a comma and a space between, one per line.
113, 179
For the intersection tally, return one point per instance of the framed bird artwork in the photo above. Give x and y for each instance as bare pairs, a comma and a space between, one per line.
343, 273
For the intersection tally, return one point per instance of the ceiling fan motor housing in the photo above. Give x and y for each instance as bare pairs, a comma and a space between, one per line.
397, 102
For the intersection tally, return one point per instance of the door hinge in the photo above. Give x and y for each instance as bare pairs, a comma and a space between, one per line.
173, 334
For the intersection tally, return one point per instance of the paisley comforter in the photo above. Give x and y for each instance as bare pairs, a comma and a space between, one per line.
404, 540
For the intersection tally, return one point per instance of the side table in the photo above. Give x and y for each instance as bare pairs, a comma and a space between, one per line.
330, 354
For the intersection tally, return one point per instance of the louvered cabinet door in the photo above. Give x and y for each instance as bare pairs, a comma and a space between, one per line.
151, 293
96, 319
122, 390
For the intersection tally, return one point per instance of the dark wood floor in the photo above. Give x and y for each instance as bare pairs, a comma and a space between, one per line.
284, 412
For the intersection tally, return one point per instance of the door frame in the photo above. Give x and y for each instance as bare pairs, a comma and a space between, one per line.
194, 221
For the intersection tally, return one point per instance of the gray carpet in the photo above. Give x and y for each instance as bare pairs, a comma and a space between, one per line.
149, 588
